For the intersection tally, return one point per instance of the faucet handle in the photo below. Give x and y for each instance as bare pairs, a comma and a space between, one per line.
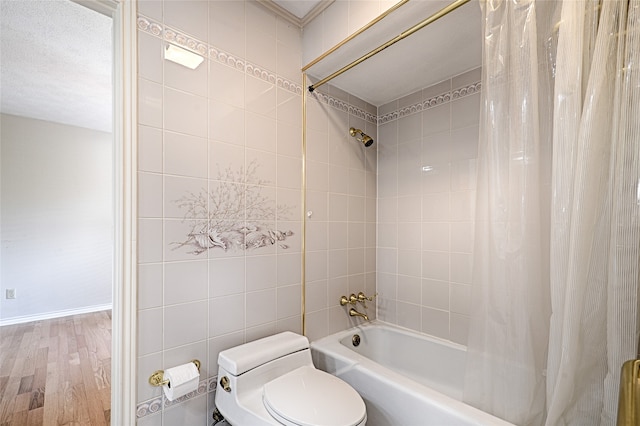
362, 297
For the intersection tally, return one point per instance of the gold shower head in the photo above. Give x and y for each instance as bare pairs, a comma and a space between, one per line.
361, 136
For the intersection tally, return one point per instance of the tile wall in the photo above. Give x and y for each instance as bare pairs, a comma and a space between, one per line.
341, 209
219, 188
426, 197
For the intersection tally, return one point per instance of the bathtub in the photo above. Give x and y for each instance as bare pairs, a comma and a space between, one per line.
404, 378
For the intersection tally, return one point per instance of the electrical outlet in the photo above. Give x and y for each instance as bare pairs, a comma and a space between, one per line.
11, 293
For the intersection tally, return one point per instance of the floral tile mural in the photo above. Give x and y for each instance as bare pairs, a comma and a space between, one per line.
237, 212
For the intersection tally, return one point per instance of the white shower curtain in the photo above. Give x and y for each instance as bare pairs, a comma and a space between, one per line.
556, 255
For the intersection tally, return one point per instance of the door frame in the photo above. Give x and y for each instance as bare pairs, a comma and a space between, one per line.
124, 313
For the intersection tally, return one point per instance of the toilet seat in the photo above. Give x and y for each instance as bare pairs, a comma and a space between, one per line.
310, 397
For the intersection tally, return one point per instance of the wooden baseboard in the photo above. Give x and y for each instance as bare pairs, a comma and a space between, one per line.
56, 314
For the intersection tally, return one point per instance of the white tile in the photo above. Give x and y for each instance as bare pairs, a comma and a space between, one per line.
316, 236
409, 262
147, 365
312, 40
316, 265
149, 240
435, 294
149, 195
289, 269
185, 155
317, 205
288, 301
226, 84
436, 149
260, 331
288, 62
338, 235
150, 57
464, 143
190, 16
469, 77
370, 240
436, 178
435, 265
260, 167
226, 315
388, 132
356, 235
463, 206
317, 325
409, 209
188, 412
185, 281
387, 210
185, 113
149, 149
317, 146
409, 128
198, 350
317, 176
178, 243
339, 319
409, 289
338, 179
260, 97
261, 307
437, 89
435, 236
227, 26
226, 123
292, 242
461, 264
260, 20
462, 237
226, 276
289, 110
317, 115
149, 331
335, 24
388, 235
465, 111
387, 260
289, 173
151, 8
463, 175
262, 272
409, 235
410, 100
356, 261
336, 288
149, 285
387, 286
289, 140
435, 207
292, 324
261, 132
410, 168
152, 419
435, 322
289, 204
409, 315
149, 103
338, 263
316, 295
185, 323
436, 119
356, 182
225, 161
460, 298
182, 197
338, 207
186, 79
356, 209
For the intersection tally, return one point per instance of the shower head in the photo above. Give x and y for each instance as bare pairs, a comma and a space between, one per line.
361, 136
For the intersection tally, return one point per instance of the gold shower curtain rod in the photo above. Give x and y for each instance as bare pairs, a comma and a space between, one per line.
439, 14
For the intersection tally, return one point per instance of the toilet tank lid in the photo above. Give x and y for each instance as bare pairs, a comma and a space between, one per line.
245, 357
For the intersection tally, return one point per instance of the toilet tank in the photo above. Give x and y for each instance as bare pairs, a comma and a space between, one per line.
243, 358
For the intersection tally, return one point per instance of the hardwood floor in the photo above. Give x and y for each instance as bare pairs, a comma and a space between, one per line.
56, 372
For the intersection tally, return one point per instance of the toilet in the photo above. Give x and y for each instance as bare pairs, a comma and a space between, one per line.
272, 381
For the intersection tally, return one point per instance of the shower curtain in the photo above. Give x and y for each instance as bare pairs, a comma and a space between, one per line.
555, 280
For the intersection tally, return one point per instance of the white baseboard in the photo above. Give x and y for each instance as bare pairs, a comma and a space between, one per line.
56, 314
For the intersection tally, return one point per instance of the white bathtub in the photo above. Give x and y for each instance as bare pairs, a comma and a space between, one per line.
404, 378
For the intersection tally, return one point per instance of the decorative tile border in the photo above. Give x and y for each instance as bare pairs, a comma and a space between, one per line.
215, 54
344, 106
159, 403
431, 102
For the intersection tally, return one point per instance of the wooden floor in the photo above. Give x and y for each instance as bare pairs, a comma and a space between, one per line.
56, 372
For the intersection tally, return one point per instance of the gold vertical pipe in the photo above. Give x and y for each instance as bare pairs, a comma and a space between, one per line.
439, 14
303, 289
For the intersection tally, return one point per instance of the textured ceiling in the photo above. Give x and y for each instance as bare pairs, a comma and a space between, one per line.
55, 58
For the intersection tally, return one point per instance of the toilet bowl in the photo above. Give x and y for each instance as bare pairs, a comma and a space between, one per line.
272, 381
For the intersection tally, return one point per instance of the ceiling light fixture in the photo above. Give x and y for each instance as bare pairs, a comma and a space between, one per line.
182, 56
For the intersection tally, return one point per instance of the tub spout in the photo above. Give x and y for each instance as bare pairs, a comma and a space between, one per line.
354, 313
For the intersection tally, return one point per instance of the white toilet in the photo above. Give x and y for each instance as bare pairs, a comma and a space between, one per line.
272, 381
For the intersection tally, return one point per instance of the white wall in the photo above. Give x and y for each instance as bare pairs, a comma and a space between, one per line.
56, 213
